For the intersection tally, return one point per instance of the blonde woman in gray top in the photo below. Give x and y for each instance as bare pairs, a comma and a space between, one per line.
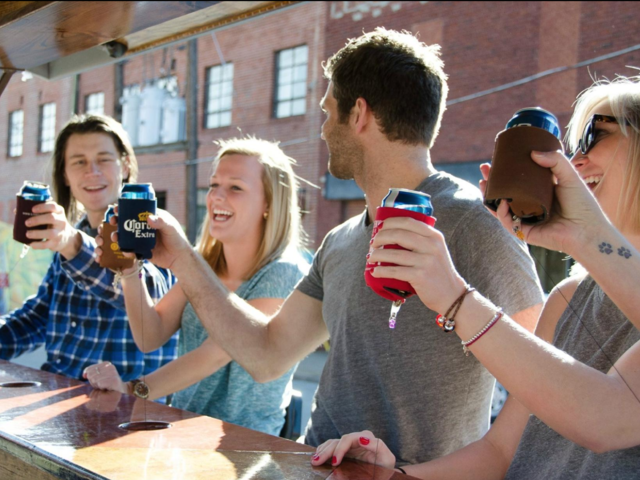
250, 238
574, 408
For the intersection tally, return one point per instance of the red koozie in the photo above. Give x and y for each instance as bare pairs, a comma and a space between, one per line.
390, 288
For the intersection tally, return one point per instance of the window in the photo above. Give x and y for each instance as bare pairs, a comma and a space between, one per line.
218, 96
291, 84
16, 128
47, 127
94, 103
201, 211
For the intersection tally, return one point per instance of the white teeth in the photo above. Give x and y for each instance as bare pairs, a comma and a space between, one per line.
592, 179
93, 188
222, 212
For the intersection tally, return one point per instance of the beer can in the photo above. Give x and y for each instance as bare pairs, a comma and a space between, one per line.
398, 202
30, 195
136, 202
112, 256
408, 200
535, 117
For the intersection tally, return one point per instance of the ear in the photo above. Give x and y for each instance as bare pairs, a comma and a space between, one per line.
361, 115
125, 168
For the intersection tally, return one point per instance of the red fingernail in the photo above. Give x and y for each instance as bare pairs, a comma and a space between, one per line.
368, 255
316, 457
334, 460
364, 440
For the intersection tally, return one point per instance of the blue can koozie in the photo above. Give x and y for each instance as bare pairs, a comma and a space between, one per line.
136, 202
30, 195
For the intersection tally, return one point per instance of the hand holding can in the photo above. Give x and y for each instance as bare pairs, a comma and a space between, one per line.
514, 176
30, 195
399, 202
137, 201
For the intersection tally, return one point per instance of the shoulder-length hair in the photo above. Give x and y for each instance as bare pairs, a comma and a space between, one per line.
82, 124
623, 96
282, 228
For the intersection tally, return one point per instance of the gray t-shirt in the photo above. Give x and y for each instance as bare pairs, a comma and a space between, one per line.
413, 387
544, 454
231, 394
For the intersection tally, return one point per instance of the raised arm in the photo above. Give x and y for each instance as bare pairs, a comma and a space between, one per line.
152, 324
544, 379
265, 347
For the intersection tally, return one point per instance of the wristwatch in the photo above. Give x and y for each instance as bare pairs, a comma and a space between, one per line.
140, 389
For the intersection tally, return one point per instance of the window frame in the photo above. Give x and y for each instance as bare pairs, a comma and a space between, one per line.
207, 97
86, 103
10, 134
41, 120
276, 83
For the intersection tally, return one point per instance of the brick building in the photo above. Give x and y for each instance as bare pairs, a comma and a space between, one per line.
263, 76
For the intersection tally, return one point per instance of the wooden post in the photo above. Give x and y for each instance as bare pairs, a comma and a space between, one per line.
4, 80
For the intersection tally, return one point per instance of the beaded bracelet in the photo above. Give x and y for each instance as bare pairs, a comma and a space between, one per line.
485, 329
448, 323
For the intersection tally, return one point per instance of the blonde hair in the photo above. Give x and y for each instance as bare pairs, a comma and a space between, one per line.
623, 96
282, 227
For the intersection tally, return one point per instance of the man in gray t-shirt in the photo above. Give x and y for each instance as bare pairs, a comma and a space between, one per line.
413, 387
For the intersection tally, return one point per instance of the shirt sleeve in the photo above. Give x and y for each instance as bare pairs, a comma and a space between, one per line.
497, 264
88, 275
25, 328
311, 284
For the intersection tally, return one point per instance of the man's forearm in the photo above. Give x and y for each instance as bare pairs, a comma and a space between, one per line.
232, 323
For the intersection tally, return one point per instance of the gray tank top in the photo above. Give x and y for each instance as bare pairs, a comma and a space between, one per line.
542, 453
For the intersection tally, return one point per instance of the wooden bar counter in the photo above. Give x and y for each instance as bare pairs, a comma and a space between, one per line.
62, 428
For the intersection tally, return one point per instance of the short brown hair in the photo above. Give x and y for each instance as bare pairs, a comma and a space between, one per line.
401, 79
80, 124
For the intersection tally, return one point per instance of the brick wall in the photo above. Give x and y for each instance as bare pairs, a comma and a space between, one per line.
484, 45
488, 44
31, 165
251, 47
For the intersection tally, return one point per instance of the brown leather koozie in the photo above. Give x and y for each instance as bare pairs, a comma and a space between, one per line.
112, 257
516, 177
23, 212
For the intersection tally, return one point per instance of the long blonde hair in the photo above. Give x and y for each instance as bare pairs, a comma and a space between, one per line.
623, 96
282, 227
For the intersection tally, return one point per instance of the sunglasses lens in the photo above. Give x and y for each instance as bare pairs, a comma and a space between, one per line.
587, 138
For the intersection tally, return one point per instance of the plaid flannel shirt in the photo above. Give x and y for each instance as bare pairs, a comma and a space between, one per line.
81, 319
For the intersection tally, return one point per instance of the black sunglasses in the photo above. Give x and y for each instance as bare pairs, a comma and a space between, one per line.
589, 135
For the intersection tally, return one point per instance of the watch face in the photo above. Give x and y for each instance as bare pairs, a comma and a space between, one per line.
140, 389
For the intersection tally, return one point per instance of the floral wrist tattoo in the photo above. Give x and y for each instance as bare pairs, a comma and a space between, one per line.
606, 248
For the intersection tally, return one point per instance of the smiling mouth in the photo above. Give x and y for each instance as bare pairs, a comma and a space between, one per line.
221, 215
95, 189
592, 181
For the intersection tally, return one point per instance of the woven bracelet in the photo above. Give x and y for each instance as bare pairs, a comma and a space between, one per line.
448, 323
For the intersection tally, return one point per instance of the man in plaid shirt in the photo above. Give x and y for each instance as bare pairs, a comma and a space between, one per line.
77, 313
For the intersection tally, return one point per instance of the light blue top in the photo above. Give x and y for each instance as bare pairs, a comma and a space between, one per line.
231, 394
